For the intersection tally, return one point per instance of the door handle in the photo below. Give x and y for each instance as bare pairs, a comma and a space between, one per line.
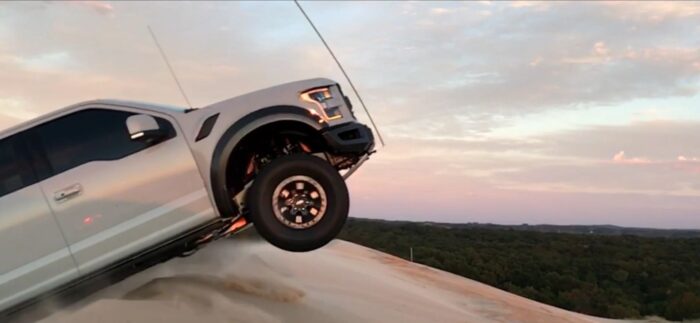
67, 193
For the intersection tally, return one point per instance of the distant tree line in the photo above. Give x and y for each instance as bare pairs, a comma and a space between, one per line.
609, 276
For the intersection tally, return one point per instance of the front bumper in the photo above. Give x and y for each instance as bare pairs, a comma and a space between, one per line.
351, 137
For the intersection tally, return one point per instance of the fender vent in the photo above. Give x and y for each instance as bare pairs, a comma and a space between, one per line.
207, 126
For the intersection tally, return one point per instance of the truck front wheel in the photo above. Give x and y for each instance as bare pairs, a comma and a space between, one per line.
298, 202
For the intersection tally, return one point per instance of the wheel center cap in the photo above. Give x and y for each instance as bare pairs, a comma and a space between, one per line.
299, 202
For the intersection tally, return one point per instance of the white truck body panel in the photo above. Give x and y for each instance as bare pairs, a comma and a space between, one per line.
79, 220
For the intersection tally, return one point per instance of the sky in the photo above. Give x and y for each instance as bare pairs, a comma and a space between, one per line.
524, 112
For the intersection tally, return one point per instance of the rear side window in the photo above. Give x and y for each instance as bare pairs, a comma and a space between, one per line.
90, 135
15, 169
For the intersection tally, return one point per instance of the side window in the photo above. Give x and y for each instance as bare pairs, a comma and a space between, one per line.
15, 169
90, 135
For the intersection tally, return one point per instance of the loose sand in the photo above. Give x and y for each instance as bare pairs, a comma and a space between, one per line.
243, 281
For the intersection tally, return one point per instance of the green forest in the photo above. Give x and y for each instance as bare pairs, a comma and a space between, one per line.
620, 276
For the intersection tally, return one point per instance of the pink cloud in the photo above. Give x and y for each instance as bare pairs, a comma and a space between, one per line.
99, 6
682, 158
600, 53
654, 11
622, 159
599, 48
682, 163
688, 164
536, 5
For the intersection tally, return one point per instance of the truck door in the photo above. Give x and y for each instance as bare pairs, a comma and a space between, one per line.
34, 257
114, 196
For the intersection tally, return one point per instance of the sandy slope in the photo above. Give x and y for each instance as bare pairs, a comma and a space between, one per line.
234, 281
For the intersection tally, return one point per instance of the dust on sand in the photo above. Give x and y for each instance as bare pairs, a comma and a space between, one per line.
244, 281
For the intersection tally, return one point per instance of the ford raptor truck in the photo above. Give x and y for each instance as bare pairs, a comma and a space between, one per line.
103, 186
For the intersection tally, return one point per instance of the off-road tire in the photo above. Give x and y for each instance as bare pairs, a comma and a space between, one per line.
261, 195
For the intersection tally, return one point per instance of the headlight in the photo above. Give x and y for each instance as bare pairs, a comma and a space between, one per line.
328, 105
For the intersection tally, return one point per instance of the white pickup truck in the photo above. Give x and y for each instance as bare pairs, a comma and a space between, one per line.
108, 185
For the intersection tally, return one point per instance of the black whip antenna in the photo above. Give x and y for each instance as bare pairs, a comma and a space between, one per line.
170, 68
374, 125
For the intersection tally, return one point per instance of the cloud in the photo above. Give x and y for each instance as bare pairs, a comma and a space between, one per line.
451, 196
536, 5
689, 165
536, 61
580, 160
599, 48
655, 11
517, 61
655, 140
51, 66
646, 178
573, 161
439, 11
458, 72
13, 111
622, 159
682, 158
16, 109
100, 7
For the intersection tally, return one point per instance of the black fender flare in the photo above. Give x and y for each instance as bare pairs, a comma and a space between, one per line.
233, 135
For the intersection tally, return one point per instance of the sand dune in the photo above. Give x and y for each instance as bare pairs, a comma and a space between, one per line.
241, 281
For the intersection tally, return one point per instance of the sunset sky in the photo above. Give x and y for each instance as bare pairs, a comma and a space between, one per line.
526, 112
